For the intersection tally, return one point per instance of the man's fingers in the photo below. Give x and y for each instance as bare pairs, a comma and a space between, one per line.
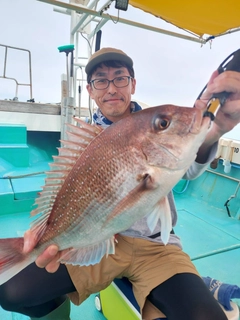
53, 265
50, 255
200, 104
29, 241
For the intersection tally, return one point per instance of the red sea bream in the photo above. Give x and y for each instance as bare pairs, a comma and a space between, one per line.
103, 181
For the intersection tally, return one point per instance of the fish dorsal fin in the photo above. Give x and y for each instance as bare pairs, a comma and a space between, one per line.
89, 255
79, 137
161, 212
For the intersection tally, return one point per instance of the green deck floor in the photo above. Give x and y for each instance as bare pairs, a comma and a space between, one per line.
213, 243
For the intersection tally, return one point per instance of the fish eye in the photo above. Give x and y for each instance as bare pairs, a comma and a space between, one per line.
161, 123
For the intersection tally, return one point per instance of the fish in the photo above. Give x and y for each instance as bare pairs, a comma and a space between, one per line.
103, 181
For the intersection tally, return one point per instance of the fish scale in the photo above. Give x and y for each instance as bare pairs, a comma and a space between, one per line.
103, 181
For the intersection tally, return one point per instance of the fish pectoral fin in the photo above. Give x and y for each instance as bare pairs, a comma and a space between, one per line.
150, 179
161, 212
89, 255
147, 182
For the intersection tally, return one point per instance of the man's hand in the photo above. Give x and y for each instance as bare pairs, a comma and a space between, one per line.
228, 116
48, 259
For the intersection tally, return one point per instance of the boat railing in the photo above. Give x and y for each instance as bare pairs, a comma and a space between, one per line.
229, 152
4, 74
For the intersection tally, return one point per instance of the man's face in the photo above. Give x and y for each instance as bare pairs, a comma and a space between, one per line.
113, 102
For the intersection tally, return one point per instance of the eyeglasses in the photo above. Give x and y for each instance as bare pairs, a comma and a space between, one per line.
119, 82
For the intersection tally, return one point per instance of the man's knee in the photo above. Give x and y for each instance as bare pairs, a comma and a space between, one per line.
9, 297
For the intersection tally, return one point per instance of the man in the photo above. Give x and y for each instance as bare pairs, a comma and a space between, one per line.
164, 275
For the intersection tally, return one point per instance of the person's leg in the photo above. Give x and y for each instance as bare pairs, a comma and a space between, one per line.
35, 292
186, 297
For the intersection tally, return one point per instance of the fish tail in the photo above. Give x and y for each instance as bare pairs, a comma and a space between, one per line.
12, 260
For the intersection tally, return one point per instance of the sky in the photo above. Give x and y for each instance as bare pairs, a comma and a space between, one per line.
168, 69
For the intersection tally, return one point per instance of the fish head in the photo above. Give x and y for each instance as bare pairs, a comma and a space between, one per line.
171, 135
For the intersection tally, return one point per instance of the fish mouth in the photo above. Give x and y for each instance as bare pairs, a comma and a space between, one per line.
201, 121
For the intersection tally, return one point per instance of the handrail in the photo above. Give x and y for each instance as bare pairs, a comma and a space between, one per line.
4, 76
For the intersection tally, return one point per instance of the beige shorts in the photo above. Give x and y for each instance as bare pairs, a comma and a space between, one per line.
145, 263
